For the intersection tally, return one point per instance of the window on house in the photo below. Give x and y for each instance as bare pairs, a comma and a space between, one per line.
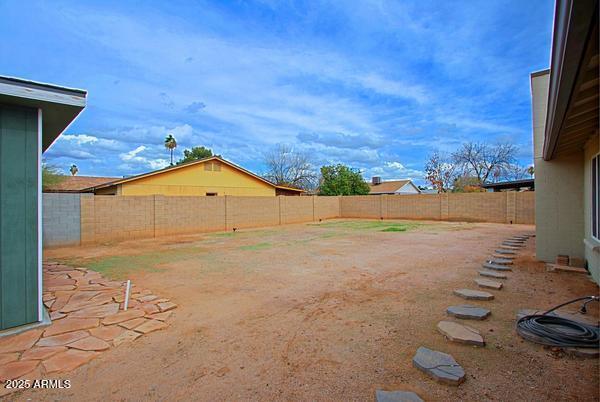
596, 197
208, 166
212, 194
216, 166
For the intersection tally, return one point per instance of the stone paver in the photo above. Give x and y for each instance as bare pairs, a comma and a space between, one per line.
460, 333
496, 267
97, 311
161, 316
63, 339
470, 294
468, 312
107, 333
122, 316
127, 336
90, 343
440, 366
41, 353
12, 370
151, 326
504, 251
20, 342
166, 306
492, 274
68, 361
501, 261
70, 325
8, 357
85, 312
504, 256
396, 396
486, 283
131, 324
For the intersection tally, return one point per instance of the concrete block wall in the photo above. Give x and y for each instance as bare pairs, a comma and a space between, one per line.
61, 219
181, 214
83, 219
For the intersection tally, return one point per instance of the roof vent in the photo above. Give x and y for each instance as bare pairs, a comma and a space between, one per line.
376, 180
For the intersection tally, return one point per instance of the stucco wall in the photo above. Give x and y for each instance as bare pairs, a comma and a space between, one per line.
559, 190
591, 245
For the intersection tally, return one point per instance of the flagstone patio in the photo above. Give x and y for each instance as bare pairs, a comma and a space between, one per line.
87, 319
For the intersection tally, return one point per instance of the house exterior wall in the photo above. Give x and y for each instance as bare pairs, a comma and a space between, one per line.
559, 188
591, 245
408, 188
19, 265
194, 180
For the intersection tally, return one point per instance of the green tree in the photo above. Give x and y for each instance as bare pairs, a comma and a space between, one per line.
50, 176
73, 169
170, 144
194, 154
342, 180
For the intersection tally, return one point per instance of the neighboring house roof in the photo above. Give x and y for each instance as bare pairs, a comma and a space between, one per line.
392, 186
77, 184
516, 184
184, 165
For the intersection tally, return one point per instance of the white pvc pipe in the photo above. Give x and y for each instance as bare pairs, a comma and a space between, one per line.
127, 288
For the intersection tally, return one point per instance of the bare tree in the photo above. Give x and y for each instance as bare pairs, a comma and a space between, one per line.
440, 172
289, 167
484, 161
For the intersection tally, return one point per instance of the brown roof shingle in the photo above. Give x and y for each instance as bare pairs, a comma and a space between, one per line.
75, 184
387, 186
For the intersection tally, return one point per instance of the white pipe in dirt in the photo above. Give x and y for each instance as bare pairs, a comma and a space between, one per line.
127, 288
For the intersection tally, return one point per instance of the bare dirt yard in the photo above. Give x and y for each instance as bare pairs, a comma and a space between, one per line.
329, 311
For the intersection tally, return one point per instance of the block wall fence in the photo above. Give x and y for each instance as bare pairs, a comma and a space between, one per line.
75, 219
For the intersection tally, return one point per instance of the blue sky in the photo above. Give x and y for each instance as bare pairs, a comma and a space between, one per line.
376, 85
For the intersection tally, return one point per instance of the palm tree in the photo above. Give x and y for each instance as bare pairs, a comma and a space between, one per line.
170, 144
73, 169
531, 171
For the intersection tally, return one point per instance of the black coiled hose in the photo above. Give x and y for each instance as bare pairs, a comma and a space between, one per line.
558, 331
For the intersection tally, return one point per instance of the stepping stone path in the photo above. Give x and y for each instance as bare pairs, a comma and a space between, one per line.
486, 283
87, 319
492, 274
470, 294
501, 261
467, 312
396, 396
460, 333
504, 256
440, 366
505, 251
496, 267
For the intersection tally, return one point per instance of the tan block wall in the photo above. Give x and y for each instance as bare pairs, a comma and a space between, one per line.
525, 207
361, 206
296, 209
106, 218
477, 207
113, 218
426, 206
177, 215
327, 207
251, 212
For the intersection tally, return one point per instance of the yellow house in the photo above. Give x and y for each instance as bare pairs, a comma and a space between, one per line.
211, 176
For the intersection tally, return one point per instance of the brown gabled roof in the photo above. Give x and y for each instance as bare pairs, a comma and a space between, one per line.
183, 165
387, 186
77, 184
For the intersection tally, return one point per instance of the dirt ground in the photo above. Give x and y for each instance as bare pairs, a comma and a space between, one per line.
327, 312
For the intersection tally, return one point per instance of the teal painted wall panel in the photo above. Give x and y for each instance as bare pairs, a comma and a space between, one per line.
18, 216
